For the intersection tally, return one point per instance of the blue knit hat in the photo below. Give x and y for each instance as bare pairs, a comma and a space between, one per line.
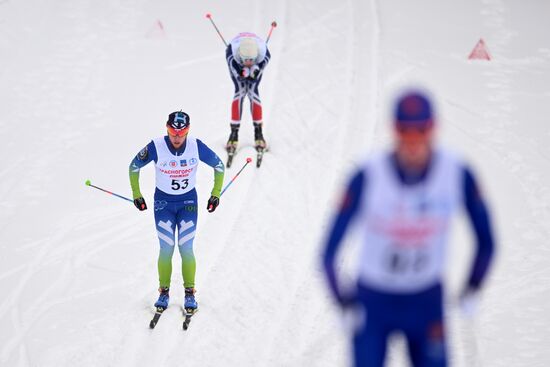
413, 108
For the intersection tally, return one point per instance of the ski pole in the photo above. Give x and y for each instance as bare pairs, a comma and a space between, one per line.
209, 16
273, 25
248, 160
88, 183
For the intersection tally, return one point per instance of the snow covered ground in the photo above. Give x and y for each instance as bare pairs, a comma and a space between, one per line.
84, 85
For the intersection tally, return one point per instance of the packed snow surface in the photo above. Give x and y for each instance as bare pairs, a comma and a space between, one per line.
84, 85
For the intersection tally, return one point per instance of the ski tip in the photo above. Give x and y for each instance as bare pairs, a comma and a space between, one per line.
88, 182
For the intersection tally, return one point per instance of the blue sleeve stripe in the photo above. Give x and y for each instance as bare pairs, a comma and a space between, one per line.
348, 209
481, 223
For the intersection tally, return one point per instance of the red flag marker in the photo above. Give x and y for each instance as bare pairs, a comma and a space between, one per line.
480, 51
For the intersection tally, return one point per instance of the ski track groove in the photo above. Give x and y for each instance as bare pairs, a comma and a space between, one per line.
278, 324
46, 257
301, 106
13, 299
353, 111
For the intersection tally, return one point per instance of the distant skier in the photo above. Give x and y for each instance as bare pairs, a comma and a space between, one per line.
402, 202
176, 158
247, 56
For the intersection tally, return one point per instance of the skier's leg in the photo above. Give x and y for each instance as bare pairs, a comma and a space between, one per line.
369, 343
255, 101
236, 113
165, 219
256, 112
238, 98
372, 328
187, 224
426, 332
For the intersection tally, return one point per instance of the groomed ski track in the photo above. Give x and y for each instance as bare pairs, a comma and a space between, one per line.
85, 85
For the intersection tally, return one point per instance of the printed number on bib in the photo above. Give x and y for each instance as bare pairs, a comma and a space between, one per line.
406, 260
180, 184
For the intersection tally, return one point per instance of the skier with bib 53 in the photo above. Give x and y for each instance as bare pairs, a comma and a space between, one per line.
176, 156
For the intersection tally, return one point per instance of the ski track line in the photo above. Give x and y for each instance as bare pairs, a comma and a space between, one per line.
303, 275
139, 339
194, 61
279, 325
517, 160
41, 305
274, 67
13, 299
358, 98
312, 24
223, 235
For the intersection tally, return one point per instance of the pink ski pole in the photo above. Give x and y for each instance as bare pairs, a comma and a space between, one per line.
209, 16
248, 160
88, 183
273, 25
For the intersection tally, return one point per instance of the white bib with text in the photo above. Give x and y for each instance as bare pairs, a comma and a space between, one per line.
404, 228
176, 174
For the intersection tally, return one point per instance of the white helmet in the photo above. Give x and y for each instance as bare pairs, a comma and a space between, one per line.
248, 49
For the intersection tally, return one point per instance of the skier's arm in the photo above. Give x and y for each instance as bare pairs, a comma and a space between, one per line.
234, 67
481, 224
348, 209
262, 64
146, 155
208, 156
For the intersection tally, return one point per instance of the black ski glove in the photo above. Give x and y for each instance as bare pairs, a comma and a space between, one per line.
254, 72
140, 203
242, 72
213, 203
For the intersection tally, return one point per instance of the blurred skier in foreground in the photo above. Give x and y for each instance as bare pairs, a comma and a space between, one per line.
176, 156
247, 56
402, 202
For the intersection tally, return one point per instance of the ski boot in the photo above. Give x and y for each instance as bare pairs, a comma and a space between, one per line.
161, 304
232, 142
190, 303
259, 143
164, 297
259, 137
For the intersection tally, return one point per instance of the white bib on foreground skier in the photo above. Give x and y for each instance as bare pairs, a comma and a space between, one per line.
176, 174
404, 228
